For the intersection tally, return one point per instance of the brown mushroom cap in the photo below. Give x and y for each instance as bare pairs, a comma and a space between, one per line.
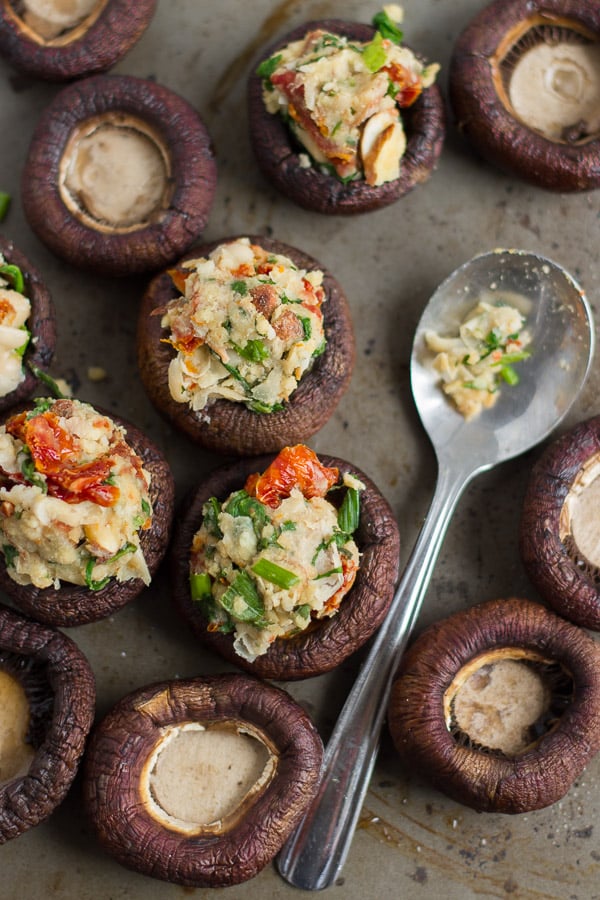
324, 645
60, 688
163, 119
481, 105
219, 854
41, 323
484, 779
230, 428
277, 153
74, 604
94, 45
568, 581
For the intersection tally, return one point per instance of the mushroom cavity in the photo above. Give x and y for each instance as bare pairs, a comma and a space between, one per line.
559, 530
499, 705
120, 175
115, 173
200, 781
201, 778
48, 20
525, 89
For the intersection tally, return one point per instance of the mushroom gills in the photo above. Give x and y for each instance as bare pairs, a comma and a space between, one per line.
201, 779
50, 19
579, 528
505, 701
552, 82
115, 173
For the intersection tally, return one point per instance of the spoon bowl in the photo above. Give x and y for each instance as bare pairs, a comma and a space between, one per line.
559, 321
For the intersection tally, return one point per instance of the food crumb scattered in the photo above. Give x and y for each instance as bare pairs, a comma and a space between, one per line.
96, 373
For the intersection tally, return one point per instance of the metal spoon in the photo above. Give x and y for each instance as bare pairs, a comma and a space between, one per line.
560, 323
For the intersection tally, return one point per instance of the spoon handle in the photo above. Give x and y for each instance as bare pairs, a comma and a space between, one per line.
315, 853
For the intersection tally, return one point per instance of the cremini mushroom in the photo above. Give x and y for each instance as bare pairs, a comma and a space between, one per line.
227, 426
283, 161
47, 694
200, 781
499, 705
120, 175
560, 530
59, 41
40, 323
525, 89
326, 642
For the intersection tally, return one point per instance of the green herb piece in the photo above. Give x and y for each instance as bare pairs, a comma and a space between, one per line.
339, 538
318, 351
374, 55
4, 205
20, 351
243, 602
306, 328
258, 406
349, 512
254, 351
303, 611
211, 512
242, 504
30, 473
240, 287
10, 554
91, 583
337, 571
268, 66
42, 405
15, 276
47, 380
200, 585
387, 27
277, 575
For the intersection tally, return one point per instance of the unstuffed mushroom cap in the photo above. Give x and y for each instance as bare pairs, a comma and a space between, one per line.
46, 669
326, 643
563, 738
154, 821
559, 535
516, 61
73, 604
85, 45
278, 154
41, 324
230, 428
120, 175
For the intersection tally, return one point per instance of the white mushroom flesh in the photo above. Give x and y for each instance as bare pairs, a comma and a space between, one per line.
49, 18
579, 515
556, 87
499, 702
15, 753
117, 175
197, 777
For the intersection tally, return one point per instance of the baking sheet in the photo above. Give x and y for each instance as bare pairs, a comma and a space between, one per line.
411, 840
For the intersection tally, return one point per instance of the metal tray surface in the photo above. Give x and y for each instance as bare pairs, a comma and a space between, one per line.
411, 841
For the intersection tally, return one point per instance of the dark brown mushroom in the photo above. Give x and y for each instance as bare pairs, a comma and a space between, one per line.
499, 705
323, 645
120, 175
524, 85
41, 324
278, 154
74, 40
48, 690
230, 428
559, 532
74, 604
199, 782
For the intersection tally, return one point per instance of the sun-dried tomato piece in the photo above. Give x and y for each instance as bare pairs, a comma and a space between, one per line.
294, 467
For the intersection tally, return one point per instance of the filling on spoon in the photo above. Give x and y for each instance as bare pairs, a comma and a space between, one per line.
473, 364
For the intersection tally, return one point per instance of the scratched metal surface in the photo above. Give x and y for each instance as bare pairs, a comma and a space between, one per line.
411, 840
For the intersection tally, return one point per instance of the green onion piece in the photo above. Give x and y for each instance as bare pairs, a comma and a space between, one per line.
268, 66
240, 287
200, 585
20, 351
509, 375
4, 205
92, 584
509, 358
337, 571
14, 274
303, 611
48, 380
374, 55
211, 512
387, 27
243, 602
277, 575
30, 473
349, 512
